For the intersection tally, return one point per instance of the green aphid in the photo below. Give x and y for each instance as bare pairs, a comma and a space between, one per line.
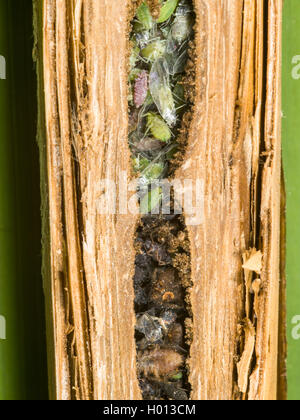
159, 129
177, 376
154, 172
140, 164
151, 200
144, 16
154, 50
167, 9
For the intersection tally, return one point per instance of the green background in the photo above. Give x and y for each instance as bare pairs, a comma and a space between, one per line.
22, 354
291, 158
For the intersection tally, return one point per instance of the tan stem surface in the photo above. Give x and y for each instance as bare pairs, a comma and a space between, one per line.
233, 148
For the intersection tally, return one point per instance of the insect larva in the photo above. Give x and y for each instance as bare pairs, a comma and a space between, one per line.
140, 89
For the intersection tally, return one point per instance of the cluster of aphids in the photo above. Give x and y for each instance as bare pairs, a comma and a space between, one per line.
157, 102
157, 99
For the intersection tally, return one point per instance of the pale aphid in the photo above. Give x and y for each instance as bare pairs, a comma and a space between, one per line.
159, 85
182, 27
176, 56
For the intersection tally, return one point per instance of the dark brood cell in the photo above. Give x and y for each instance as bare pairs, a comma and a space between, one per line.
161, 94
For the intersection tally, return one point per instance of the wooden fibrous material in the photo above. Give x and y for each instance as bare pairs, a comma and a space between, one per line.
233, 147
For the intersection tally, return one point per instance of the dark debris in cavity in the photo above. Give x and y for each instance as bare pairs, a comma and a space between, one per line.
161, 96
160, 284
